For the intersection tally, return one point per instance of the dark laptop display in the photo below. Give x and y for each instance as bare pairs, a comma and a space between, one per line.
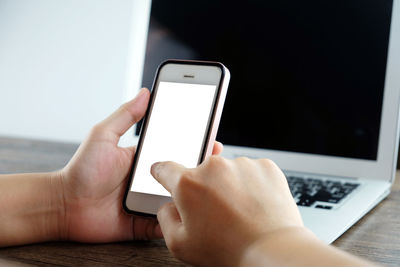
307, 76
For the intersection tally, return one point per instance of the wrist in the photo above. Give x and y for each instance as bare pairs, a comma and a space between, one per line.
296, 246
32, 208
56, 223
270, 248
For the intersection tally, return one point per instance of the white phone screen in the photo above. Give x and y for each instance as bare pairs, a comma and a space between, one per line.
175, 132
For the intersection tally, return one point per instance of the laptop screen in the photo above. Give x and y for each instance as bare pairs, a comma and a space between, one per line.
307, 76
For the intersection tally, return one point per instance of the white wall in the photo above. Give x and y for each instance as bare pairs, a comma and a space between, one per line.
65, 65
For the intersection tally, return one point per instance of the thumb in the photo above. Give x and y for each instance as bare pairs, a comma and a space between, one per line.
125, 116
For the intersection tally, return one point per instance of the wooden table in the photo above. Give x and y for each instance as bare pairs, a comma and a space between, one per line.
375, 237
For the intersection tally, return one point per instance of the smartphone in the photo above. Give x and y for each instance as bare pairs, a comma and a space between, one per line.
180, 125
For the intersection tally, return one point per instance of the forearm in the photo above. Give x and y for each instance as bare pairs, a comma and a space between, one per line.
31, 208
296, 247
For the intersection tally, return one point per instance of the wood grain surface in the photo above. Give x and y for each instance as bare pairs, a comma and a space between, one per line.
375, 237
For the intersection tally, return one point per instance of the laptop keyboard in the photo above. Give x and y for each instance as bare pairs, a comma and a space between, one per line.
318, 193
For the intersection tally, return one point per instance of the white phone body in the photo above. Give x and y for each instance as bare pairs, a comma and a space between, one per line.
180, 125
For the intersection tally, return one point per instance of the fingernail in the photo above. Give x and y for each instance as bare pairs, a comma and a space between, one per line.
155, 168
141, 92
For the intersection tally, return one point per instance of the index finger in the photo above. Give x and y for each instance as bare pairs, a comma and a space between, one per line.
168, 174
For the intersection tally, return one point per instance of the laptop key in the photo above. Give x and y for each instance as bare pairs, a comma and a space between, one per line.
305, 202
324, 207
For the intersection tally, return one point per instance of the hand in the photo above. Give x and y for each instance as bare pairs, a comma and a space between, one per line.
222, 207
94, 181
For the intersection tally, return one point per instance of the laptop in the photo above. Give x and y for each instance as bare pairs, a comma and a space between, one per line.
315, 87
